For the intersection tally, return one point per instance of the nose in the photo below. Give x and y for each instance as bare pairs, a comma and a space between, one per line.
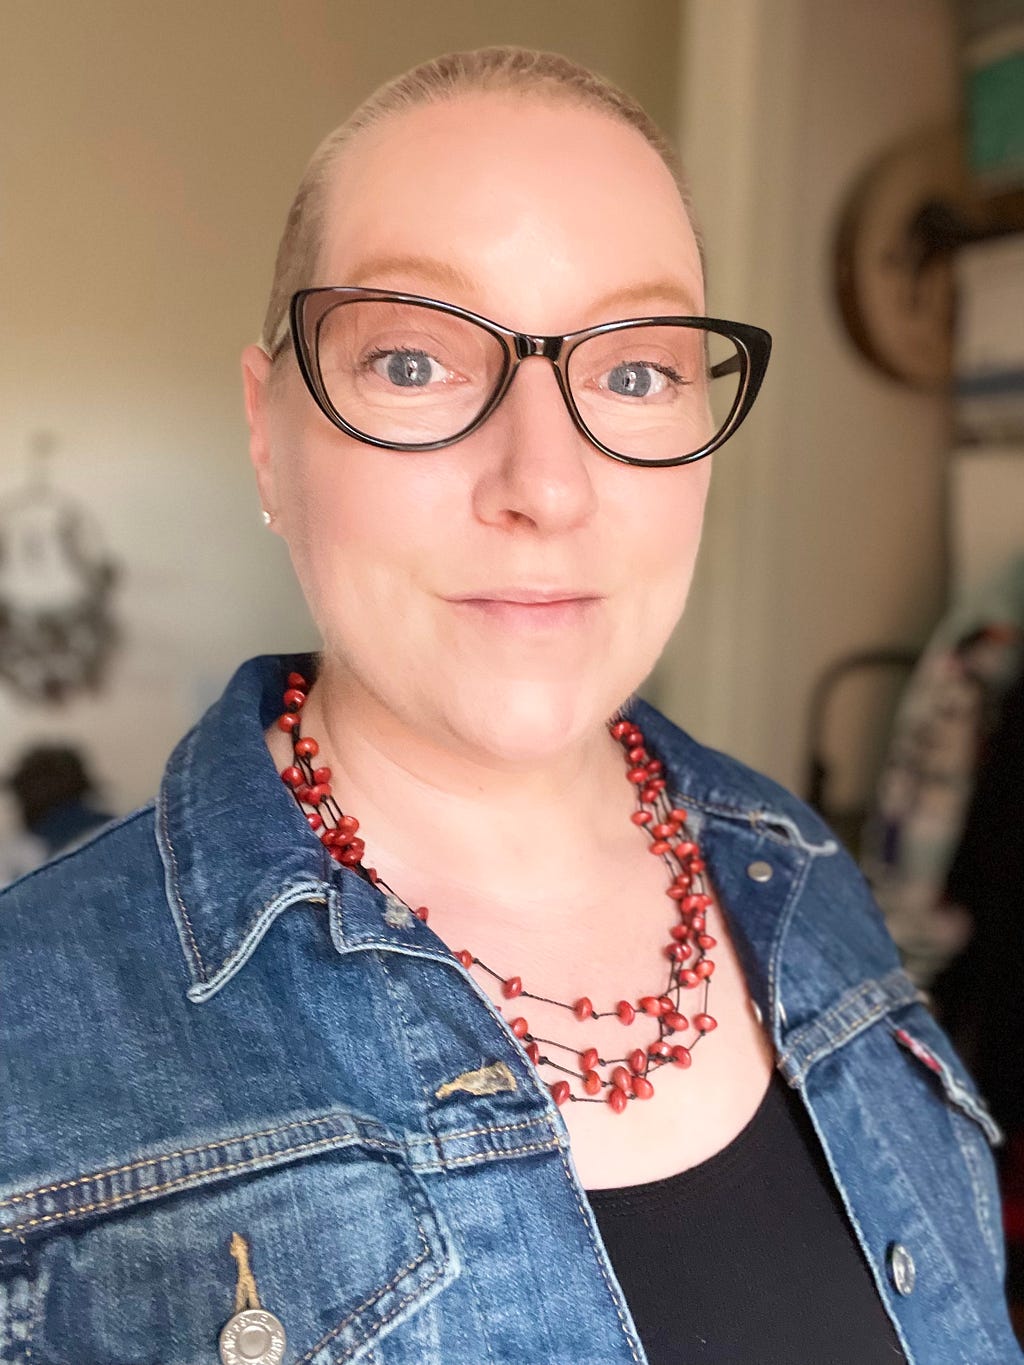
537, 466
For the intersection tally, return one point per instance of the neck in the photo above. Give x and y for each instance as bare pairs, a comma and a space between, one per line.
441, 820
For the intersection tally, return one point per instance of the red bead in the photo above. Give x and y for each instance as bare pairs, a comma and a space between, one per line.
697, 923
421, 912
676, 892
705, 968
688, 978
621, 728
350, 857
678, 814
642, 1088
560, 1092
650, 1004
306, 748
322, 776
287, 722
691, 903
621, 1078
591, 1082
297, 680
637, 776
697, 865
638, 1061
663, 831
618, 1099
659, 1049
678, 952
637, 755
293, 776
533, 1052
680, 932
704, 1023
659, 847
519, 1027
625, 1011
348, 824
667, 1003
512, 987
681, 1056
583, 1008
313, 821
302, 791
465, 957
317, 794
589, 1059
641, 817
294, 699
676, 1021
649, 793
686, 849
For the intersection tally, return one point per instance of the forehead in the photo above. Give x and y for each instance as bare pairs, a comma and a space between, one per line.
529, 207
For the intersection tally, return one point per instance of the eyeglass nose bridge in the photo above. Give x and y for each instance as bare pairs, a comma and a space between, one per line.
548, 347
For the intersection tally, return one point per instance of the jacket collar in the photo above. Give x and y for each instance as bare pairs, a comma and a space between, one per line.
238, 852
236, 848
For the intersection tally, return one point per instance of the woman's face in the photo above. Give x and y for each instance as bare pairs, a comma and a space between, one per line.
502, 596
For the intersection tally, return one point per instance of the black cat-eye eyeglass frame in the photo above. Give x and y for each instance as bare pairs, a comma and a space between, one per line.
753, 344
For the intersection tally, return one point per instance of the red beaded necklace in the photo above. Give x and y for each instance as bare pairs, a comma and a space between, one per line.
689, 966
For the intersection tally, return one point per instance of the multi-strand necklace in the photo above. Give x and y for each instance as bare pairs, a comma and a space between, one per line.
615, 1080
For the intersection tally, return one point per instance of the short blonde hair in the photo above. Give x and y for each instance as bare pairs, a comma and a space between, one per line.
500, 69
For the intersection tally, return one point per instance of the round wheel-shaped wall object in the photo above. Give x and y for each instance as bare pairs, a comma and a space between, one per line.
894, 249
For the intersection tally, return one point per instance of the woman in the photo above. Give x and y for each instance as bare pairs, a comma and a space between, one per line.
289, 1117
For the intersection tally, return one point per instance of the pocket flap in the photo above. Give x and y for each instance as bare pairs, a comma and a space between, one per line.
320, 1222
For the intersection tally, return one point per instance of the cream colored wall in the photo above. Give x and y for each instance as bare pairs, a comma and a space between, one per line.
147, 157
825, 530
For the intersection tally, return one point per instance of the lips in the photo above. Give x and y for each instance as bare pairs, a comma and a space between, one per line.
529, 609
528, 597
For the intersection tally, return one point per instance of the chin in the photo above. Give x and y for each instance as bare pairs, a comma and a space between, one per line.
520, 723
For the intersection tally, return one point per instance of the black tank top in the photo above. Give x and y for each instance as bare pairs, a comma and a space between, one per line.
748, 1258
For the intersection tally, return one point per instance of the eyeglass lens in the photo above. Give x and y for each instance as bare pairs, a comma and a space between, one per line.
407, 374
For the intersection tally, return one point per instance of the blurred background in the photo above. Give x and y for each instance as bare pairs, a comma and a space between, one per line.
856, 621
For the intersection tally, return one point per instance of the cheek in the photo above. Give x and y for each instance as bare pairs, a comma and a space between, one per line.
666, 521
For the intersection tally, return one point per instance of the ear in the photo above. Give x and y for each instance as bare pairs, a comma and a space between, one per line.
256, 373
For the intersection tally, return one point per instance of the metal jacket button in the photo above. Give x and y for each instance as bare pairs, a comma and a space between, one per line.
760, 871
252, 1337
902, 1269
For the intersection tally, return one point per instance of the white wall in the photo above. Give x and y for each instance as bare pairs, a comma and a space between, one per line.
825, 531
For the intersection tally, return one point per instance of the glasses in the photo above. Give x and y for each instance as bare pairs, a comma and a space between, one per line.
410, 373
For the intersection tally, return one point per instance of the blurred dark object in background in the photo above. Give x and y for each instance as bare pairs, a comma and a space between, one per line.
55, 794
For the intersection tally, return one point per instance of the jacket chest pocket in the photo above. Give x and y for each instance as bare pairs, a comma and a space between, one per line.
318, 1225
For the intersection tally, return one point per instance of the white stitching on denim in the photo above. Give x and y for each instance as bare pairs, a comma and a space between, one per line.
407, 1269
597, 1253
193, 1177
168, 1156
175, 878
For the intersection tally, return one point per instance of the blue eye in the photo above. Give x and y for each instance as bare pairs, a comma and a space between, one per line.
631, 381
408, 369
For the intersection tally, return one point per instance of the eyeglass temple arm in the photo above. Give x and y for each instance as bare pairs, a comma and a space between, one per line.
729, 366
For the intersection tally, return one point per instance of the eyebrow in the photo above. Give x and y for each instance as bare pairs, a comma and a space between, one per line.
447, 276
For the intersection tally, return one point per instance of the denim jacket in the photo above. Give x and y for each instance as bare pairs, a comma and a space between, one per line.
208, 1029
